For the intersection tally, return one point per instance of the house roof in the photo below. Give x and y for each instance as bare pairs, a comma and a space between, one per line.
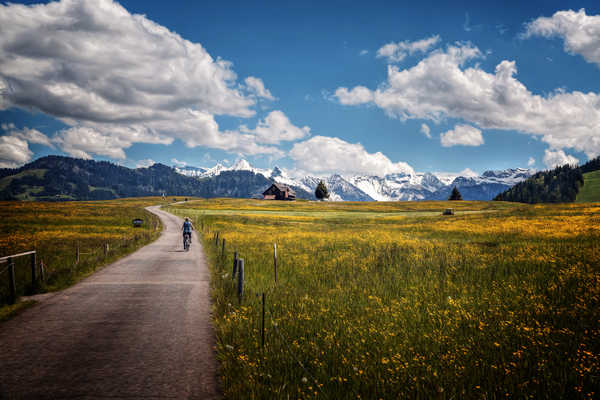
282, 188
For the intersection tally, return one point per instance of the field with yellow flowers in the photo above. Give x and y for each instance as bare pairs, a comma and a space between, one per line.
57, 230
394, 300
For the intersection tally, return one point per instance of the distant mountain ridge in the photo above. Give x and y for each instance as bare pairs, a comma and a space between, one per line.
392, 187
56, 178
64, 178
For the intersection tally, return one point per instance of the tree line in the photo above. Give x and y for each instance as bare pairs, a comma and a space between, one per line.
559, 185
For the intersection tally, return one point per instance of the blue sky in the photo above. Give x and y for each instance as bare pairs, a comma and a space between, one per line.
335, 87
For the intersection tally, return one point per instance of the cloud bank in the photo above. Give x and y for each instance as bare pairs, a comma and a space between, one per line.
275, 128
326, 155
118, 78
556, 158
442, 86
579, 31
14, 145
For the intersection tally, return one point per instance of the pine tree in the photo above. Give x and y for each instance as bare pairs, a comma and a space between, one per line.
321, 191
455, 195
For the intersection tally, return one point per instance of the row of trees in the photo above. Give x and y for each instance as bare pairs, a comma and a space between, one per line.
559, 185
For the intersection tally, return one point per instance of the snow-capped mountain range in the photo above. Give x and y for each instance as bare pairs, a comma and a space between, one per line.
392, 187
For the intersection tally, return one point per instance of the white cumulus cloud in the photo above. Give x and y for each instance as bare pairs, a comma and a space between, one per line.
256, 86
396, 52
464, 135
443, 86
531, 162
14, 152
579, 31
81, 141
325, 155
275, 128
556, 158
28, 134
14, 145
426, 131
358, 95
119, 78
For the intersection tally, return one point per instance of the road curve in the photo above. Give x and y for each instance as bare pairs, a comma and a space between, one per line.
138, 329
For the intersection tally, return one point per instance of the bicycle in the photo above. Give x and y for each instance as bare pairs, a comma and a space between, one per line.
187, 241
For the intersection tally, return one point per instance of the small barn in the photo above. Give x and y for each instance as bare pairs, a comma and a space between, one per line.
278, 191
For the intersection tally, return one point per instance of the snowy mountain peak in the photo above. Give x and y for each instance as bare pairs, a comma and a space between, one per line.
509, 172
277, 172
214, 171
392, 187
241, 165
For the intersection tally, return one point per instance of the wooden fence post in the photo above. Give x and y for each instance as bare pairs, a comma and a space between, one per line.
217, 239
223, 248
235, 260
275, 260
42, 271
240, 279
106, 249
11, 281
263, 319
33, 270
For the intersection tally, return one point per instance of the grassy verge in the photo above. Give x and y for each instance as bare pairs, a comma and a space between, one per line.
480, 305
9, 311
56, 230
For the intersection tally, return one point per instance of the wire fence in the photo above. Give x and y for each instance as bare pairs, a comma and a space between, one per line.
59, 265
220, 251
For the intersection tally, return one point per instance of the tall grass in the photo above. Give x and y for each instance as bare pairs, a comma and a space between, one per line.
56, 230
503, 303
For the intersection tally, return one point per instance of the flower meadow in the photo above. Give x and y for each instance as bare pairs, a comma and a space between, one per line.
56, 230
394, 300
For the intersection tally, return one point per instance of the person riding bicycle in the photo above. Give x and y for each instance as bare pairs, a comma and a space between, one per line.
187, 229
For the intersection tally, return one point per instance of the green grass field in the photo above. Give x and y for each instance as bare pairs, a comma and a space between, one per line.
590, 191
394, 300
55, 230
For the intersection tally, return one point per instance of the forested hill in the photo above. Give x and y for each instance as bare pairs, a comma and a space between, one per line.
590, 166
559, 185
58, 178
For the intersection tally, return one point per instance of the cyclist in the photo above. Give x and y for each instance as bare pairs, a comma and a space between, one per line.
187, 229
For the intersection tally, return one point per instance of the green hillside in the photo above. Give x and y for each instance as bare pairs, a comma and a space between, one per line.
559, 185
590, 191
38, 173
57, 178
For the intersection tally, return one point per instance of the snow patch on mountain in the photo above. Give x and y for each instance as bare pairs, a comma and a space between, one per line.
392, 187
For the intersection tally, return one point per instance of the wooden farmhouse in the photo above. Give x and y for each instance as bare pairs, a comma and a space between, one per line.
278, 191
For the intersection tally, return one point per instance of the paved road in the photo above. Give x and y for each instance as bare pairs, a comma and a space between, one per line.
139, 328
